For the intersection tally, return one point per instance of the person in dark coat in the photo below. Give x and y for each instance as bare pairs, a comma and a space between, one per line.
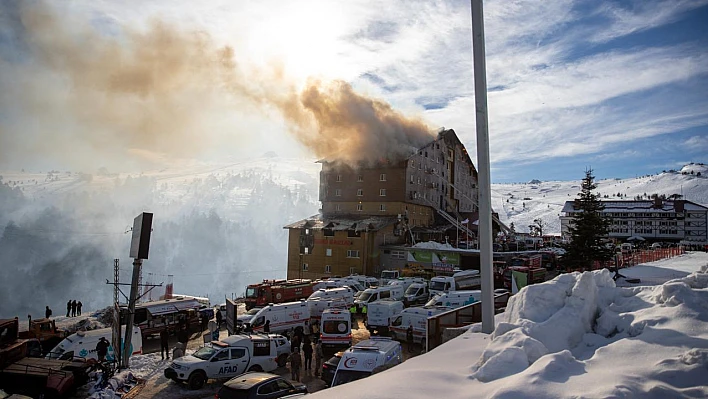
409, 338
307, 351
73, 308
47, 312
266, 327
219, 318
102, 348
183, 336
295, 363
164, 343
68, 308
295, 343
78, 308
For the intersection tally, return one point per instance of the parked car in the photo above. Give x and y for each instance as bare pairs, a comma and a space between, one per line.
282, 348
259, 385
330, 367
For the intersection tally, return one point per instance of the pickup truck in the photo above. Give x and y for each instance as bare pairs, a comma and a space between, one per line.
234, 355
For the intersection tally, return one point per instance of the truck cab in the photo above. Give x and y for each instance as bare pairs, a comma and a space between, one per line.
227, 358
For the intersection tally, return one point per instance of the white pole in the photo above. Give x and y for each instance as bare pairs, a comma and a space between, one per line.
485, 189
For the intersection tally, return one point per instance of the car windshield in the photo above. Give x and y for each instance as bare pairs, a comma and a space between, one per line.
334, 360
389, 274
412, 290
364, 297
345, 376
205, 353
253, 311
251, 292
437, 285
335, 327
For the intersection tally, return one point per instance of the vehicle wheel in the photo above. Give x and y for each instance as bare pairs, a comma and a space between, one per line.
282, 360
256, 367
196, 380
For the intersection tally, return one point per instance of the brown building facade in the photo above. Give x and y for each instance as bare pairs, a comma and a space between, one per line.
365, 207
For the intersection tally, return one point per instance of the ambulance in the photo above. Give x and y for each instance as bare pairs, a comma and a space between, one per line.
418, 318
282, 316
82, 344
340, 293
366, 358
375, 293
336, 329
380, 314
455, 299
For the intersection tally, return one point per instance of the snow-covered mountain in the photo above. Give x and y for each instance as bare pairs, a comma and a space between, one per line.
217, 227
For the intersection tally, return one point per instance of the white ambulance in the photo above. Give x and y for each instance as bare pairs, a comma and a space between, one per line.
375, 293
82, 344
455, 299
380, 314
418, 318
233, 355
340, 293
336, 328
317, 306
366, 358
282, 317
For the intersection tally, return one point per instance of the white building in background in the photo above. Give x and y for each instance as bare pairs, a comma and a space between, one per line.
654, 220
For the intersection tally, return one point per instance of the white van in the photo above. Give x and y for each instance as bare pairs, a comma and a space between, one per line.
416, 294
418, 318
375, 293
461, 280
406, 282
366, 358
380, 313
82, 344
282, 317
341, 293
455, 299
227, 358
338, 282
317, 306
336, 328
388, 275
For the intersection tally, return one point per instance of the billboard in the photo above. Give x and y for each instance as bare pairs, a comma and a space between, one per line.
436, 260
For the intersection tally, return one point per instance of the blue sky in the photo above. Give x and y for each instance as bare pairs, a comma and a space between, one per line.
619, 86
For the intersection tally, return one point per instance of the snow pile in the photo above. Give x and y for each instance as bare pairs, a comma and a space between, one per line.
536, 322
432, 245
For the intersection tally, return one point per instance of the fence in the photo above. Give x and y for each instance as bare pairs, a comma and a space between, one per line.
636, 257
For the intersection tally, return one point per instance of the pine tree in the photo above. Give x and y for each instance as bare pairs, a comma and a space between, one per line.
587, 229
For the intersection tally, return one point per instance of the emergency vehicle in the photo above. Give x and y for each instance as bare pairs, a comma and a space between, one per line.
336, 328
317, 306
342, 293
82, 344
380, 313
455, 299
461, 280
283, 317
227, 358
277, 291
366, 358
418, 318
375, 293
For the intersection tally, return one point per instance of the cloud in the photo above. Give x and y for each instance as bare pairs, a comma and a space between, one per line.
697, 144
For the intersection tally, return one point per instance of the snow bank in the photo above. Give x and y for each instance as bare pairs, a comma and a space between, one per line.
432, 245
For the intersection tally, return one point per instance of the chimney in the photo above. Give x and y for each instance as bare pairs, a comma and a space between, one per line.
657, 202
679, 205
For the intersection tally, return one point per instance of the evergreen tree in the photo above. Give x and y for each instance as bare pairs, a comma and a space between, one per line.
587, 229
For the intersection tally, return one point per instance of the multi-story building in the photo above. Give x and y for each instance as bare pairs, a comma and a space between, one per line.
368, 206
654, 220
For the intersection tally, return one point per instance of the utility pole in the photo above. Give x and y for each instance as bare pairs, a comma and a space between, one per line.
485, 188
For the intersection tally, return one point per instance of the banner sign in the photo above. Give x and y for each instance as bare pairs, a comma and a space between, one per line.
437, 260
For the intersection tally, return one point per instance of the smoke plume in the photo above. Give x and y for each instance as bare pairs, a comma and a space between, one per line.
78, 90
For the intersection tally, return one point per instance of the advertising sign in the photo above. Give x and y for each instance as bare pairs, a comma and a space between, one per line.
437, 260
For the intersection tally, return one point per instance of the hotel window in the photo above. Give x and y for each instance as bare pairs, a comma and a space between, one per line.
398, 254
304, 267
328, 251
360, 192
360, 178
418, 179
328, 232
382, 207
382, 177
359, 207
351, 253
338, 192
382, 192
337, 207
339, 177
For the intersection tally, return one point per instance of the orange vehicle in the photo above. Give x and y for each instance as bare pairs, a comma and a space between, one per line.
277, 291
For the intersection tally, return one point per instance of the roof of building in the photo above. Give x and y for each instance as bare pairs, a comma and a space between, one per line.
344, 222
640, 206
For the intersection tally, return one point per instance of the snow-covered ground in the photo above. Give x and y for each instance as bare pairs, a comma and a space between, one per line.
576, 336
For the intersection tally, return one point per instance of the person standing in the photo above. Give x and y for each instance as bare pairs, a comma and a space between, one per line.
78, 308
47, 312
409, 338
307, 351
219, 318
102, 348
164, 343
73, 308
183, 336
295, 363
319, 354
68, 308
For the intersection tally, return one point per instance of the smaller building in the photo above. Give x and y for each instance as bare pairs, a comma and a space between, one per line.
678, 221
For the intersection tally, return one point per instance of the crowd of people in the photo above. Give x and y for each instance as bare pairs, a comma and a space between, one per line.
303, 349
73, 308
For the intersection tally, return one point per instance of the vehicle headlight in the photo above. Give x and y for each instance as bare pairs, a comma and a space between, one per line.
176, 366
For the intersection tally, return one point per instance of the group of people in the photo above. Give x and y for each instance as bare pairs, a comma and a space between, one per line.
302, 347
182, 339
73, 308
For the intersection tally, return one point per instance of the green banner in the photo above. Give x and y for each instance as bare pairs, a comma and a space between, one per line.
420, 256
